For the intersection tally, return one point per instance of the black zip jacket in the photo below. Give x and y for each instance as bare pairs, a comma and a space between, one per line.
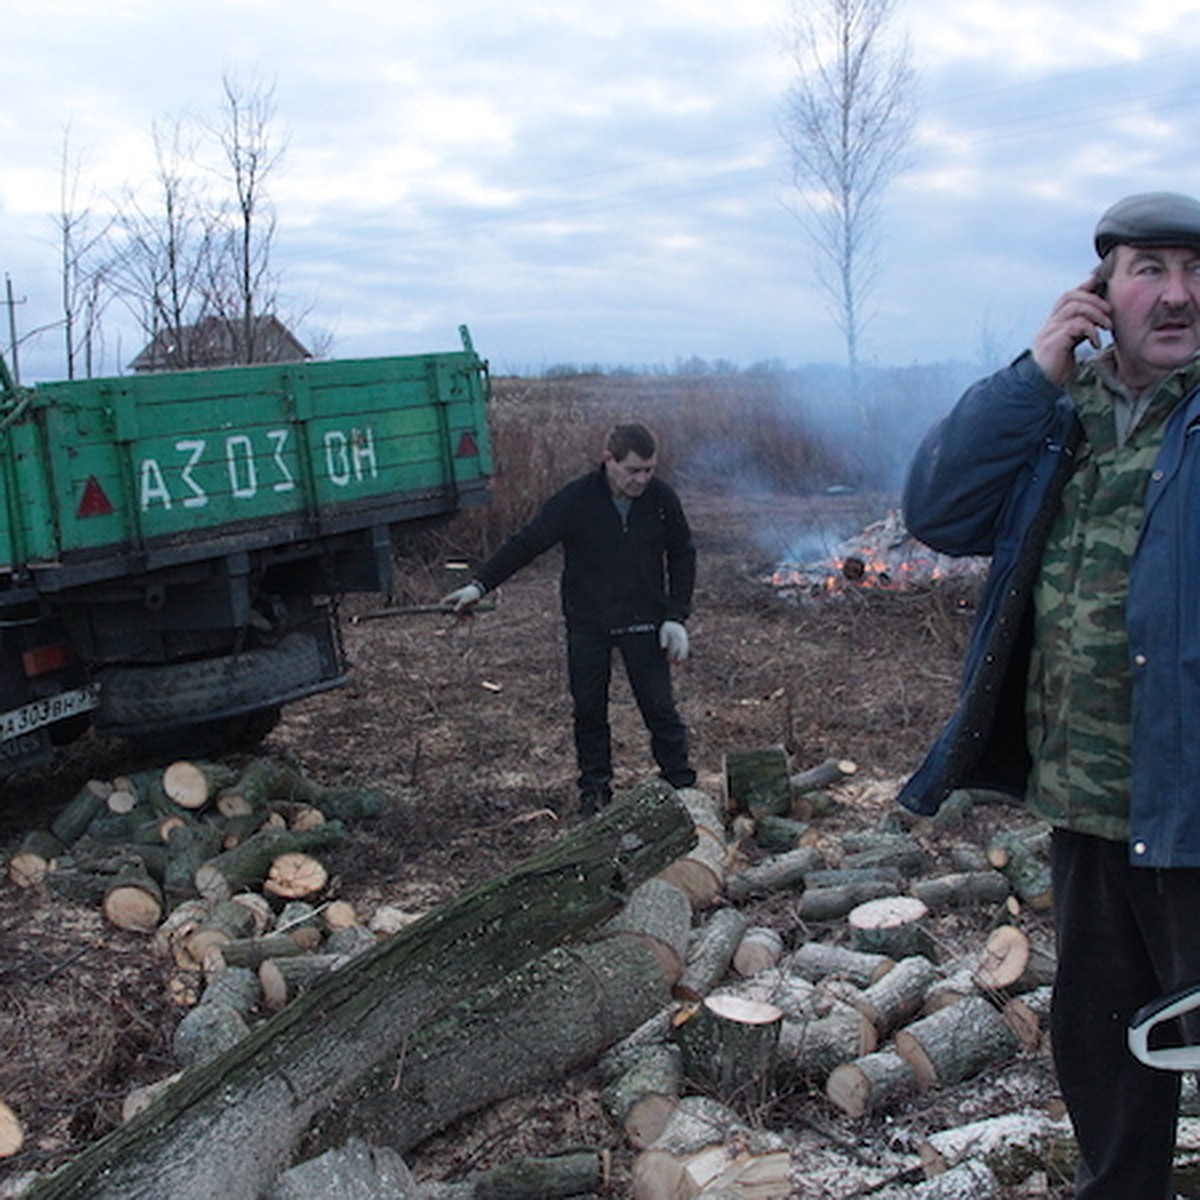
615, 575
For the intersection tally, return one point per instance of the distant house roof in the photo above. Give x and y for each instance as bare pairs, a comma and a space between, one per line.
215, 342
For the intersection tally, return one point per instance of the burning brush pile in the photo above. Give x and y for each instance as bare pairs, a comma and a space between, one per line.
882, 556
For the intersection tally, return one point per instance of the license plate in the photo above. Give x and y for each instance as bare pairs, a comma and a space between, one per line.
39, 713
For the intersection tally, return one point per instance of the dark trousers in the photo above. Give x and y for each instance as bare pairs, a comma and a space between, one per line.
1126, 935
589, 666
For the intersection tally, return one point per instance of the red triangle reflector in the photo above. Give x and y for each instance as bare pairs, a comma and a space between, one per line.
93, 503
467, 447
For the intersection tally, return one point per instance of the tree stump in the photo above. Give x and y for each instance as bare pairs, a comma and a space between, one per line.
729, 1046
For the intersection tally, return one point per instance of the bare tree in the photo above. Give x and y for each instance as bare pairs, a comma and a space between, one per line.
848, 121
241, 285
81, 269
160, 255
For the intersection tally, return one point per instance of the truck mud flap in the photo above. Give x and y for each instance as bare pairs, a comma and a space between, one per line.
136, 700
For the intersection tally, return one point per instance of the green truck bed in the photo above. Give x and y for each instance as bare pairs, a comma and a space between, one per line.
107, 475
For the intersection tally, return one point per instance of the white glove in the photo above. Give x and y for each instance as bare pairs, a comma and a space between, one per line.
673, 638
463, 598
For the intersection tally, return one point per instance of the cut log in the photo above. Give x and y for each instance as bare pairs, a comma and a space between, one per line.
956, 1043
729, 1046
188, 846
1028, 1016
896, 997
1011, 963
283, 979
893, 926
133, 901
774, 874
758, 781
242, 1114
1012, 1146
296, 875
812, 1048
35, 858
301, 921
831, 771
873, 1083
729, 1171
192, 784
252, 952
661, 915
575, 1173
248, 865
815, 960
777, 834
961, 889
868, 850
225, 922
761, 947
820, 905
339, 914
642, 1098
12, 1135
709, 953
700, 873
80, 811
968, 1181
1020, 856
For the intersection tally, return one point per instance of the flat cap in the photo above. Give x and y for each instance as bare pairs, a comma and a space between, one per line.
1150, 219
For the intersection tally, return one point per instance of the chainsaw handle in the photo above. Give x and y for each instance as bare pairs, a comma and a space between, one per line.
1143, 1022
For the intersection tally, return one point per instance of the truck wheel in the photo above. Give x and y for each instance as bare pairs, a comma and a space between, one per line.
135, 700
209, 739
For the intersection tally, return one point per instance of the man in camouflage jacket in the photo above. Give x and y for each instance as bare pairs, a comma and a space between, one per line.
1081, 686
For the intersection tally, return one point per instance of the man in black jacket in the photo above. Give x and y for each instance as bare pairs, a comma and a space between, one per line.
629, 568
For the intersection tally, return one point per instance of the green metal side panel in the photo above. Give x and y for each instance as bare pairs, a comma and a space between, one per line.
183, 456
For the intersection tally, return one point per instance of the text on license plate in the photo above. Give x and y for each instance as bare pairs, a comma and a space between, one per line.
45, 712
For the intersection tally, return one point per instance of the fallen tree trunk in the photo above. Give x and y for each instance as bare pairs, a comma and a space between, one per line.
538, 1023
227, 1128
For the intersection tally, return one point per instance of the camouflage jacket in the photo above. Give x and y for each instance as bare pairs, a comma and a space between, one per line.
989, 480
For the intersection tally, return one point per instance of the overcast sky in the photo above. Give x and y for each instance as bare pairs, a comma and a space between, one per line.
605, 183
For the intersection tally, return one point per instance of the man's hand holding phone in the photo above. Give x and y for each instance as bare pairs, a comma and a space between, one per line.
1077, 316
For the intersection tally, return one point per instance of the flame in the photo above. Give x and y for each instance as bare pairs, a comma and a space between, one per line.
883, 556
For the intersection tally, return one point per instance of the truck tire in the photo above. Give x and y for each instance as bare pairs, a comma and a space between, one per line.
208, 739
136, 700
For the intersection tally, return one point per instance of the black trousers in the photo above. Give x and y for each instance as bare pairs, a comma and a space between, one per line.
589, 666
1126, 935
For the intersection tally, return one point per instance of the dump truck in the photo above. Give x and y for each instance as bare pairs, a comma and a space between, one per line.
173, 546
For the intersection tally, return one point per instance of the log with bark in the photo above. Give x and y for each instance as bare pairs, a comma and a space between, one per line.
710, 951
875, 1082
758, 781
728, 1047
1013, 1145
956, 1042
643, 1090
250, 864
775, 874
228, 1127
894, 926
1011, 963
536, 1024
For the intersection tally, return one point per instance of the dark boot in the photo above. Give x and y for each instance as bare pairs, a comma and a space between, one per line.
592, 800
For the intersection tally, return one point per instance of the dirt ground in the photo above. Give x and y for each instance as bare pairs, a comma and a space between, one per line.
466, 726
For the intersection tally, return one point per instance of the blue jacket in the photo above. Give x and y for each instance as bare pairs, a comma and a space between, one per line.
987, 481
